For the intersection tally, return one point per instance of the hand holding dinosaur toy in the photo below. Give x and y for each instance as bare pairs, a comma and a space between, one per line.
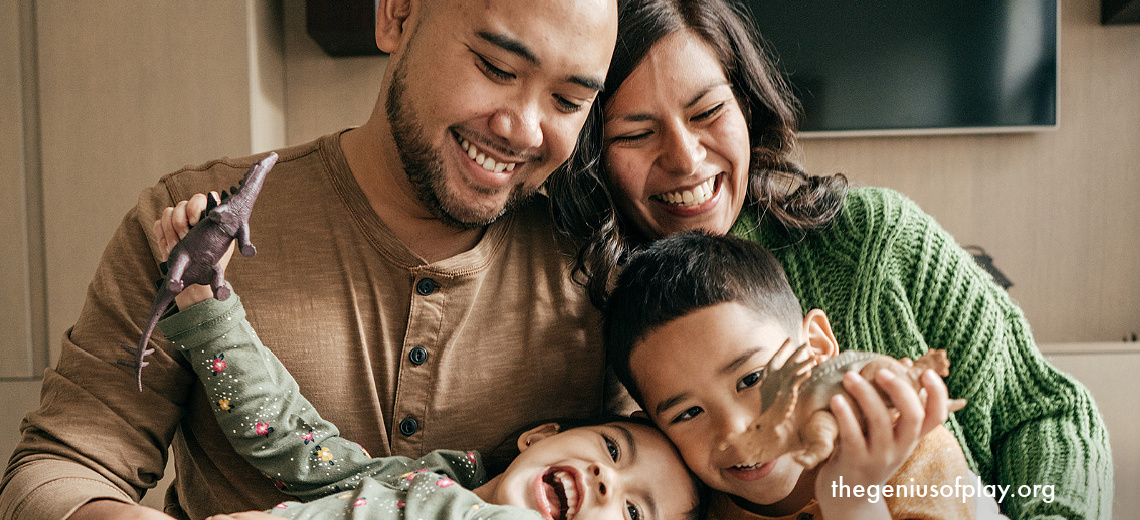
797, 388
200, 256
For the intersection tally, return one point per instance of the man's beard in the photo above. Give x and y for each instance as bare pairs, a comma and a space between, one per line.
424, 166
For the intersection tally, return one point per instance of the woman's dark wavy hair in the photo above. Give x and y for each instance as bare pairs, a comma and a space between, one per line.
778, 187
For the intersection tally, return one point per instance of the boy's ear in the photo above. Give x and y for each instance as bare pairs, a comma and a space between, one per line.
390, 18
536, 434
817, 333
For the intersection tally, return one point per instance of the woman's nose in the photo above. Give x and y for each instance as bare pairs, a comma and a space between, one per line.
683, 153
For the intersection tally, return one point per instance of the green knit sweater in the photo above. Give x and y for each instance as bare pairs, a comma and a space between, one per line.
893, 281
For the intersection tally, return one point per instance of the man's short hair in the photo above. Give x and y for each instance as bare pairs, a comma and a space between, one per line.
685, 272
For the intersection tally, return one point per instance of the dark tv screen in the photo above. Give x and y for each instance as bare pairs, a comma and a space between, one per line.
916, 66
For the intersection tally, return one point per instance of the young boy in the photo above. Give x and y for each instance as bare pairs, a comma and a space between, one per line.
692, 327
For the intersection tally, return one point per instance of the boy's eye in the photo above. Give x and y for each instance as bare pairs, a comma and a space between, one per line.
748, 381
612, 447
688, 414
634, 514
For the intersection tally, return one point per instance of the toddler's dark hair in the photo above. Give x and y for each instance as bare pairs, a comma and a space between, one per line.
686, 272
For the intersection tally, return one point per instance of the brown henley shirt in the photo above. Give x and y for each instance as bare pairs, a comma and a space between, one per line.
404, 356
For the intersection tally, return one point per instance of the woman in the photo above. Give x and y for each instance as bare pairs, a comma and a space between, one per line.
699, 132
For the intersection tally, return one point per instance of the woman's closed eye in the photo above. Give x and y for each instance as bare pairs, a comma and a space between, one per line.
710, 113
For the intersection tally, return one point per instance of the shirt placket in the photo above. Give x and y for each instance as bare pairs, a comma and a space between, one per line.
418, 363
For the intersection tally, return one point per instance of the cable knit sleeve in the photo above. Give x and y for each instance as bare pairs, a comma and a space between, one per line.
1026, 423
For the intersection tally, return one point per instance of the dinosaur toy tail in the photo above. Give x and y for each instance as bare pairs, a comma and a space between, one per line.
161, 302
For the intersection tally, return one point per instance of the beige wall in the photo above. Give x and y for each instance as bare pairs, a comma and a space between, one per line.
123, 91
1059, 211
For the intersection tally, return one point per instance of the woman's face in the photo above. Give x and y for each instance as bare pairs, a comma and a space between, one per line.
676, 141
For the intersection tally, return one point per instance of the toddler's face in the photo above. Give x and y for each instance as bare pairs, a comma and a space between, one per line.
699, 376
615, 471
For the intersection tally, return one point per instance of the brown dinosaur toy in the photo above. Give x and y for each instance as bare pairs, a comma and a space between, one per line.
796, 417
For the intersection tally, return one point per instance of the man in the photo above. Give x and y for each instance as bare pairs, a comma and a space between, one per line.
404, 275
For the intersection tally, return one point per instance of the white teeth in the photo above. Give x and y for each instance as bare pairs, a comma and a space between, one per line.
692, 197
571, 494
481, 158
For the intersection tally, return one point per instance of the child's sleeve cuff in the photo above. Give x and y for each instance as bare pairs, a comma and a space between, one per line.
203, 322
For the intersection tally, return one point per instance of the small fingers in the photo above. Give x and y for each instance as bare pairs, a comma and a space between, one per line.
937, 401
875, 412
905, 399
851, 439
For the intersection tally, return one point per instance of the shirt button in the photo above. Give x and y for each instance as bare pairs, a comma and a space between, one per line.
418, 355
408, 426
425, 286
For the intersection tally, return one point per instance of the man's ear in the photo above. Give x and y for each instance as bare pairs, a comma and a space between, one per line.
390, 18
536, 434
817, 333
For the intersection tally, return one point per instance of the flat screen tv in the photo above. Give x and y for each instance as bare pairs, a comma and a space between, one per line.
905, 66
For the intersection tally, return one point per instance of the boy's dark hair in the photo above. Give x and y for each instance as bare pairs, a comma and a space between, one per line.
685, 272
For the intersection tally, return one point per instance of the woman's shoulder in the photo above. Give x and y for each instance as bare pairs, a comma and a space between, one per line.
875, 206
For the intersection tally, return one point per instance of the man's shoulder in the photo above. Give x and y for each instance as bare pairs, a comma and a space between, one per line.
220, 174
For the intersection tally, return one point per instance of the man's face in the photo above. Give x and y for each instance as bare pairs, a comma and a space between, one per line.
487, 98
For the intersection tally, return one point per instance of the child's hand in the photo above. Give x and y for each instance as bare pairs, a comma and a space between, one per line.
172, 227
869, 457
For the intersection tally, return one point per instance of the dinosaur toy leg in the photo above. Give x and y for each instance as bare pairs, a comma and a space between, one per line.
818, 437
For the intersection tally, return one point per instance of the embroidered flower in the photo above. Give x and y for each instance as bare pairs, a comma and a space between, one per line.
401, 504
262, 429
281, 506
364, 451
324, 454
471, 457
344, 496
444, 482
224, 404
412, 474
308, 437
359, 502
218, 364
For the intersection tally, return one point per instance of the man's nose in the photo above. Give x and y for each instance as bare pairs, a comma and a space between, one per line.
520, 124
683, 153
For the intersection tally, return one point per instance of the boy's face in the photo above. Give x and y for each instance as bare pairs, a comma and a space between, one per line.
699, 376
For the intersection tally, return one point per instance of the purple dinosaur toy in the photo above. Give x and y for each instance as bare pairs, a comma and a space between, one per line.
194, 259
